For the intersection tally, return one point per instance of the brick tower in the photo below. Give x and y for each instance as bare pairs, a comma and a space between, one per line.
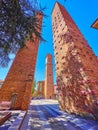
21, 74
76, 65
41, 88
49, 84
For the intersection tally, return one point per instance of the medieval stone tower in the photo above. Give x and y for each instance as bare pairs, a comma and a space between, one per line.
49, 84
76, 65
20, 77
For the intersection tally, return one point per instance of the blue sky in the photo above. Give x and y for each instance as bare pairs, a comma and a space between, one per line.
83, 12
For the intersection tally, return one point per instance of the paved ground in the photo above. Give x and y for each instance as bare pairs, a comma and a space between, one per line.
14, 121
45, 115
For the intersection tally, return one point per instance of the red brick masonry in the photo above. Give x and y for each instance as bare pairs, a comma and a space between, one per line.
20, 76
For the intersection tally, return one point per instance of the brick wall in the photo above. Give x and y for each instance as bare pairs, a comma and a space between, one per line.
49, 85
21, 74
76, 65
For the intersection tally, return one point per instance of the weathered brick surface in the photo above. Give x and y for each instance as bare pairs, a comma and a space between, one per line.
49, 85
20, 76
76, 65
41, 88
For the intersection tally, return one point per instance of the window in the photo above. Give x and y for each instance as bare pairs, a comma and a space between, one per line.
90, 58
92, 71
56, 27
59, 20
54, 40
58, 17
84, 55
53, 30
81, 49
56, 53
55, 47
62, 29
54, 36
63, 57
57, 68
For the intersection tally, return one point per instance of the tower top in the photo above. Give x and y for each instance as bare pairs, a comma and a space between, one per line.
57, 3
49, 58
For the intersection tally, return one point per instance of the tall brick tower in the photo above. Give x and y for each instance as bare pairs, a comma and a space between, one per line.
21, 74
49, 84
76, 65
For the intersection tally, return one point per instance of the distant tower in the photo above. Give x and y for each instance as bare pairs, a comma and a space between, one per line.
49, 84
41, 88
76, 65
20, 77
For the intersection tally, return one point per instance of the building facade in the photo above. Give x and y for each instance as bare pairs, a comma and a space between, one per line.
49, 84
41, 88
40, 91
20, 77
76, 65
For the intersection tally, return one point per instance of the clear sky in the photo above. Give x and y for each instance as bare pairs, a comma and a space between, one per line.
83, 12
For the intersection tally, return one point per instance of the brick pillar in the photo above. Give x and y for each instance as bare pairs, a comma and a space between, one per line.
49, 85
21, 74
76, 65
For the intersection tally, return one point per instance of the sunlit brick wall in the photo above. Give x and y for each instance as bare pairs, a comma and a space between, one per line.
21, 74
76, 64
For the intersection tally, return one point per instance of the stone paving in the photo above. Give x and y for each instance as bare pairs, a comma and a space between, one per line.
45, 115
14, 121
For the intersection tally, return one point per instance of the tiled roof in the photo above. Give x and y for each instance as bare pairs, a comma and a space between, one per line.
95, 24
